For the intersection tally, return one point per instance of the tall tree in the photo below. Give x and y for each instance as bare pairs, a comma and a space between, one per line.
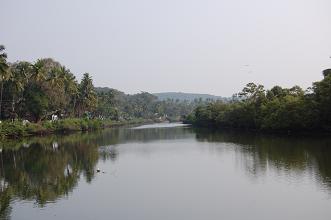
17, 82
70, 88
4, 73
38, 73
322, 97
87, 99
37, 102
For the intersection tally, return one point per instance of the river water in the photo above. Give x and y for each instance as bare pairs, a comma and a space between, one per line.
166, 172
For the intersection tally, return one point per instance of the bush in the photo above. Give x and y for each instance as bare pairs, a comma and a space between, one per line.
12, 129
49, 126
77, 125
67, 125
107, 123
83, 125
34, 128
17, 129
94, 124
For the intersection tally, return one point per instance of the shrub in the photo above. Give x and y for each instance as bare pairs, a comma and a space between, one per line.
83, 125
34, 128
12, 129
49, 126
67, 125
94, 124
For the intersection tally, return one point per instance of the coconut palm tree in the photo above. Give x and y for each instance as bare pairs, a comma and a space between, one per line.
3, 58
70, 87
55, 78
4, 73
19, 79
38, 73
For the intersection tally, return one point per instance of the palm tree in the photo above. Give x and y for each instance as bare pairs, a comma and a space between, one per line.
70, 87
4, 73
3, 57
18, 80
38, 73
55, 78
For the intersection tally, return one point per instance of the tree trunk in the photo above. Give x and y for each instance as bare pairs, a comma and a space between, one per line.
13, 108
38, 119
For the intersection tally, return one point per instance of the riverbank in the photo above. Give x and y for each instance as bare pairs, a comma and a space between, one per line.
18, 129
254, 131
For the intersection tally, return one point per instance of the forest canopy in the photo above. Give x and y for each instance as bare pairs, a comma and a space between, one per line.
35, 91
277, 109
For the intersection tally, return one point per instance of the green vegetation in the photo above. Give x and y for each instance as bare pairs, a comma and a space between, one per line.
277, 109
45, 169
36, 91
117, 105
18, 129
33, 93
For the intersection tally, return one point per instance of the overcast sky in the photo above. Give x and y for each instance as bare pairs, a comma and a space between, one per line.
202, 46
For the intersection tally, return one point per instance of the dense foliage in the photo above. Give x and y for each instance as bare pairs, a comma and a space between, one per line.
277, 109
117, 105
36, 91
17, 129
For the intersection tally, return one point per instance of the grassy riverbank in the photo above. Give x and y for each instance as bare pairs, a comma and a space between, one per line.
16, 129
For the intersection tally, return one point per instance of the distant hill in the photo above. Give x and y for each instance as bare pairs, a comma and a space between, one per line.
187, 96
182, 96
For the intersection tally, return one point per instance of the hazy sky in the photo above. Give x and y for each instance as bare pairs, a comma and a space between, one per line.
204, 46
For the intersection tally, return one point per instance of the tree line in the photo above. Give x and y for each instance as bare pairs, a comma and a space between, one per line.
277, 109
35, 91
117, 105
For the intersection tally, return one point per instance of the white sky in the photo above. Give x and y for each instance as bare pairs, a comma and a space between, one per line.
202, 46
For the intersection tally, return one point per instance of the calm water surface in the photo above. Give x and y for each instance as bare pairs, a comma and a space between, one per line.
166, 171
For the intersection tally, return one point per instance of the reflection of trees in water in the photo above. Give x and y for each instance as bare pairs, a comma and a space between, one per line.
5, 198
154, 134
108, 149
43, 169
281, 153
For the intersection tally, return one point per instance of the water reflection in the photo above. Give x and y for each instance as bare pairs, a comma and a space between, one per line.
46, 169
283, 154
43, 173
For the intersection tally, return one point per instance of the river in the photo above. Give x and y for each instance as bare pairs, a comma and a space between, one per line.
166, 171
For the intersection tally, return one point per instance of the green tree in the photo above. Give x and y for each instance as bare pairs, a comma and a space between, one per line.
87, 99
70, 88
326, 72
322, 98
252, 93
17, 83
38, 73
36, 102
4, 73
